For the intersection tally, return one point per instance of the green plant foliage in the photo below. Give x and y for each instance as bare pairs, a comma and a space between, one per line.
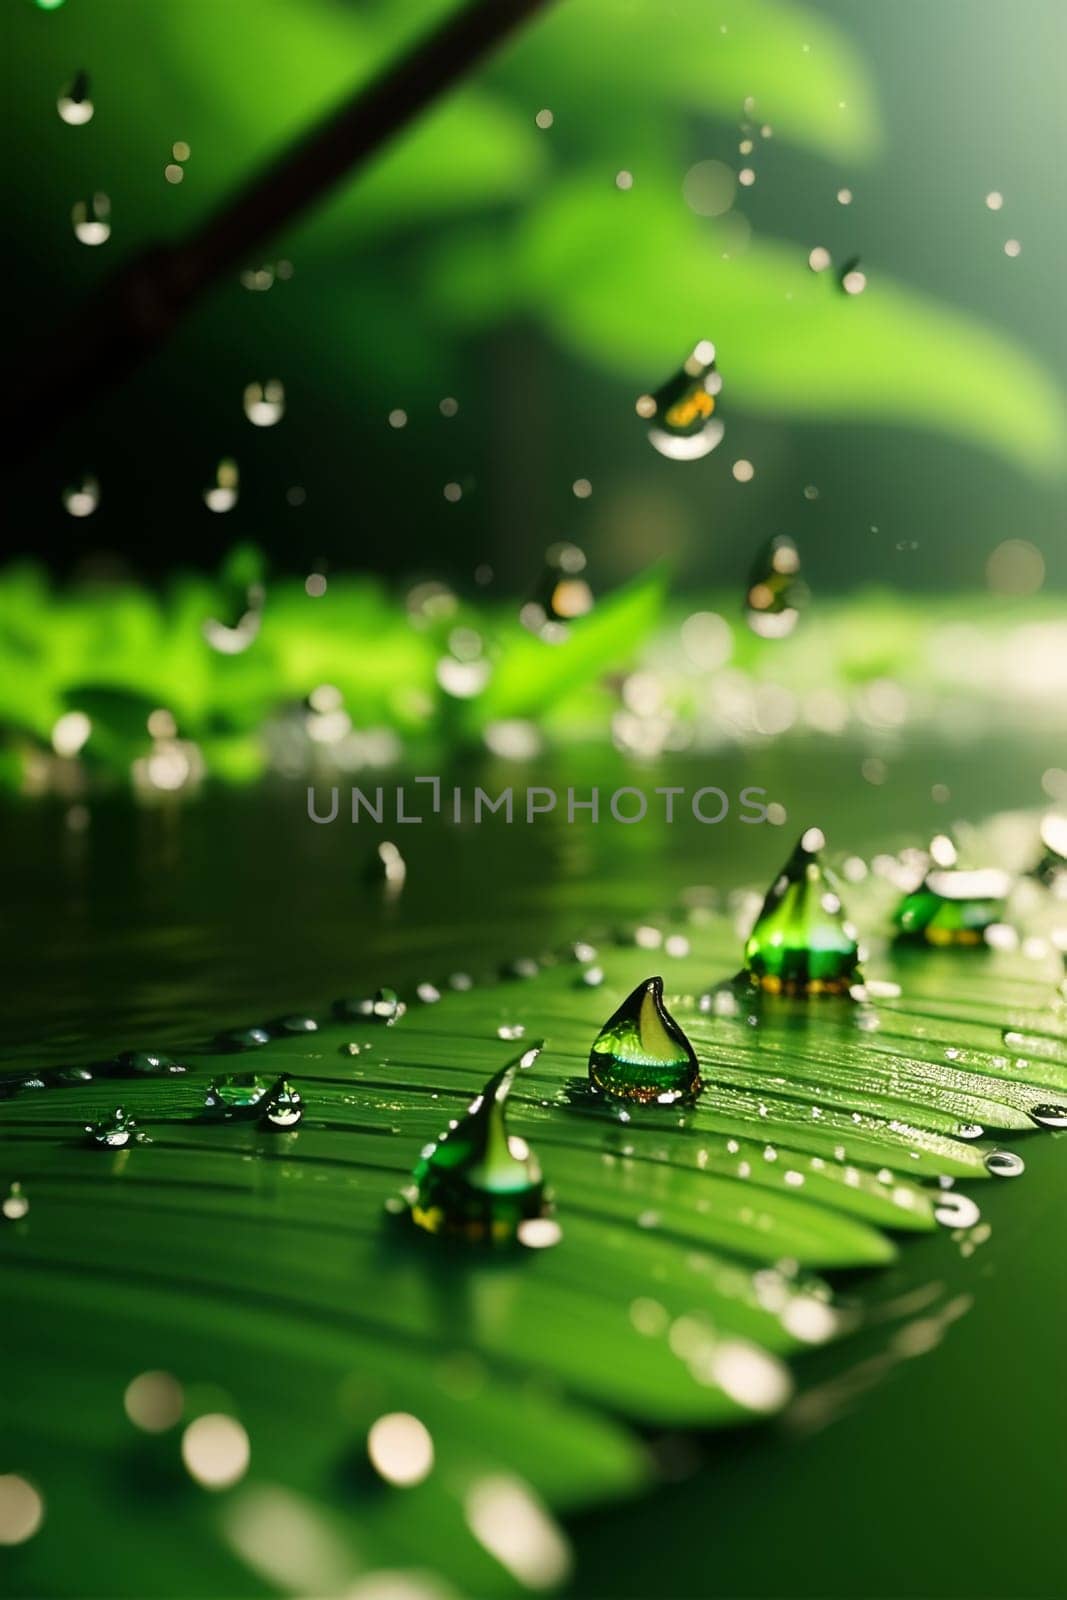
689, 1273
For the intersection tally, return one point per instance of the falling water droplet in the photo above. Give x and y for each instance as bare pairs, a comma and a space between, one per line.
81, 499
776, 592
1004, 1164
476, 1181
264, 403
74, 104
91, 220
801, 943
114, 1133
642, 1054
955, 1210
680, 415
222, 495
1050, 1116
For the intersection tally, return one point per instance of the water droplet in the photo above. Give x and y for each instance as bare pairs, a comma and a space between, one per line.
237, 1096
1050, 1116
114, 1133
298, 1025
81, 499
264, 403
248, 1039
591, 978
952, 907
242, 595
524, 967
776, 592
681, 414
222, 495
642, 1054
510, 1030
428, 993
147, 1064
91, 220
954, 1210
851, 279
476, 1181
15, 1204
284, 1106
74, 104
801, 943
384, 1006
969, 1130
1004, 1164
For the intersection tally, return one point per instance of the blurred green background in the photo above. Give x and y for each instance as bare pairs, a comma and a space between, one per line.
495, 262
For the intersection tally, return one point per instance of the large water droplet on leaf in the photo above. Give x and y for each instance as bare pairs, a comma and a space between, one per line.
1005, 1164
114, 1133
802, 943
478, 1182
642, 1054
952, 907
681, 414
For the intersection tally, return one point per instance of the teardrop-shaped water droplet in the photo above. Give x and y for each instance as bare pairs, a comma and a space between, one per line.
91, 220
1050, 1116
642, 1054
776, 593
265, 402
1004, 1164
114, 1133
478, 1182
954, 1210
283, 1106
74, 103
802, 942
681, 419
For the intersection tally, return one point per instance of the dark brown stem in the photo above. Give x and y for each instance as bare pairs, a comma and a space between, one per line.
139, 306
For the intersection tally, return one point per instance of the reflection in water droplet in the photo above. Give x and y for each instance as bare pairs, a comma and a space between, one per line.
682, 424
776, 593
114, 1133
954, 1210
91, 220
476, 1182
642, 1054
1050, 1116
1004, 1164
284, 1106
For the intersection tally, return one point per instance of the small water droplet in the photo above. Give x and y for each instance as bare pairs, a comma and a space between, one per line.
248, 1039
91, 220
81, 499
776, 593
513, 1030
16, 1204
74, 103
954, 1210
147, 1064
222, 494
969, 1130
299, 1025
1050, 1116
264, 403
284, 1106
1004, 1164
680, 415
428, 993
385, 1006
114, 1133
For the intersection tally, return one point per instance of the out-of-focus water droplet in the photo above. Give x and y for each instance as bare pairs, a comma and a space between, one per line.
15, 1205
642, 1054
994, 200
264, 403
388, 868
91, 220
384, 1006
681, 419
954, 1210
114, 1133
802, 942
1050, 1116
222, 494
510, 1030
477, 1182
242, 596
953, 906
284, 1105
428, 993
74, 104
1004, 1164
561, 595
524, 967
148, 1064
776, 592
851, 280
248, 1038
81, 499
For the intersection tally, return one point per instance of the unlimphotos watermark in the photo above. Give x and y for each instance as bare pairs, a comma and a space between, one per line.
625, 805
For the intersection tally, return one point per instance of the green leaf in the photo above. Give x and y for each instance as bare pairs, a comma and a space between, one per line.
594, 260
